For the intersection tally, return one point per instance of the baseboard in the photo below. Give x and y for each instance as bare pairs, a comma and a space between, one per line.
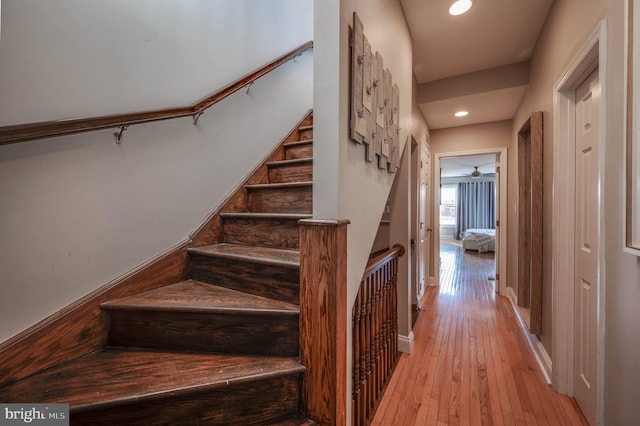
405, 343
511, 294
542, 356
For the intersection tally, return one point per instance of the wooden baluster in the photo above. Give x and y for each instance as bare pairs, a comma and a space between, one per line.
385, 329
366, 350
380, 317
378, 334
375, 335
356, 360
382, 328
395, 307
388, 327
367, 325
389, 330
374, 341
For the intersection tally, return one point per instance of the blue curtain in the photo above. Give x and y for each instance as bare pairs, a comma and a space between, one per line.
475, 206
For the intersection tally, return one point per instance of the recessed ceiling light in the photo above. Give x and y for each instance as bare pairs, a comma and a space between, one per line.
461, 113
459, 7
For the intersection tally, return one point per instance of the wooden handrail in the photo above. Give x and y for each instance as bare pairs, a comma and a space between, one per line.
45, 129
385, 256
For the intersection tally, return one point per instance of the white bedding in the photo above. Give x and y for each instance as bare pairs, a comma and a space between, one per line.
483, 240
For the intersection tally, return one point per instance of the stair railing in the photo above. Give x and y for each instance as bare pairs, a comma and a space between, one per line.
375, 333
46, 129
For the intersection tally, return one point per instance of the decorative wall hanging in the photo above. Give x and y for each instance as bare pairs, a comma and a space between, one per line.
375, 103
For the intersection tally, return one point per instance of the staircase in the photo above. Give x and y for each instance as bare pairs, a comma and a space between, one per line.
221, 347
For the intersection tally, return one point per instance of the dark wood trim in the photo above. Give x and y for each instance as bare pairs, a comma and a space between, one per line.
31, 131
323, 315
530, 210
536, 223
81, 328
524, 217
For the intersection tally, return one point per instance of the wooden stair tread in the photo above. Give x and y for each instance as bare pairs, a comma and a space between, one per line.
114, 376
296, 420
294, 162
254, 254
279, 185
308, 127
196, 296
250, 215
298, 143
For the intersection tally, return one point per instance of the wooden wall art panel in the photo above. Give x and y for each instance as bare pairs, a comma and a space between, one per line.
375, 103
368, 100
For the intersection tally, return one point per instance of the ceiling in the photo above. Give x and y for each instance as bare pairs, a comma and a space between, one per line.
464, 165
463, 51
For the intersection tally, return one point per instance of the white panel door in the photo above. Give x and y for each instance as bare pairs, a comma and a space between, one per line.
586, 245
424, 225
498, 224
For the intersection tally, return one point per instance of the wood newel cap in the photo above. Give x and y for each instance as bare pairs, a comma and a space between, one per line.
324, 222
400, 248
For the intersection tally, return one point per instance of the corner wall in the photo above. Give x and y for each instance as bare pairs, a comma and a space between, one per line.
345, 185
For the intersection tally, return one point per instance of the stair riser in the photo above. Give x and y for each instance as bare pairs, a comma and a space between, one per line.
226, 332
281, 233
305, 134
272, 281
297, 152
250, 403
280, 200
291, 173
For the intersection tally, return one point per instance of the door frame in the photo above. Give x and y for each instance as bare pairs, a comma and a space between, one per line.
417, 147
592, 55
503, 211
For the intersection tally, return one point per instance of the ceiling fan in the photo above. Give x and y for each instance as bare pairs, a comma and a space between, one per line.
475, 174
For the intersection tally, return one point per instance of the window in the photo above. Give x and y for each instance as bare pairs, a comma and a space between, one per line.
448, 205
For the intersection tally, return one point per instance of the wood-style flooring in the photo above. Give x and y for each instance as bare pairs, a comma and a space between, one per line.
471, 363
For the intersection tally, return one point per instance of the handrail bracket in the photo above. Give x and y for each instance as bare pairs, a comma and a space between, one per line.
196, 116
119, 133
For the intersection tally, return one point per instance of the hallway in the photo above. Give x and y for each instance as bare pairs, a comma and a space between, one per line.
471, 363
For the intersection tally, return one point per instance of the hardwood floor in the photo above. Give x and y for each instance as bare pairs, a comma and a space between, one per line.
471, 363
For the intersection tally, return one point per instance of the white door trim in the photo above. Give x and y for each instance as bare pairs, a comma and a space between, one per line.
503, 211
592, 54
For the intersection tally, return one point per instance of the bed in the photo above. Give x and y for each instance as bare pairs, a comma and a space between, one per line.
482, 240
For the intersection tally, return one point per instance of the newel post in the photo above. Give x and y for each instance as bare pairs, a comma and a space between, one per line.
323, 339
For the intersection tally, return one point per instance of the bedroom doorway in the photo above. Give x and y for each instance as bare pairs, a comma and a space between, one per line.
468, 205
467, 209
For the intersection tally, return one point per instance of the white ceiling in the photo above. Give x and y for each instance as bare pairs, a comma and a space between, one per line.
464, 165
492, 34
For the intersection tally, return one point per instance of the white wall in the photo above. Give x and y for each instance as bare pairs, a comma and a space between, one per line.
73, 58
345, 186
76, 212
